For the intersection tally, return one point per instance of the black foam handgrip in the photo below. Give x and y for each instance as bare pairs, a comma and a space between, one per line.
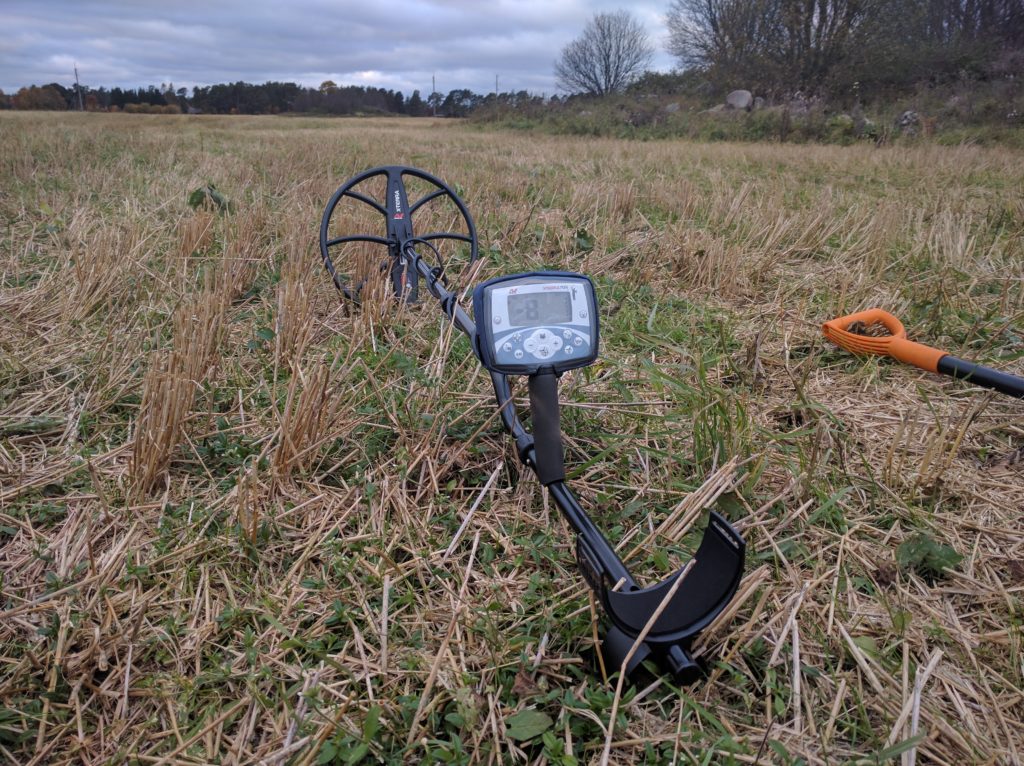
982, 376
547, 430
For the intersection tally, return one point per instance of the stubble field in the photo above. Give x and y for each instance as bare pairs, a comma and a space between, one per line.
229, 502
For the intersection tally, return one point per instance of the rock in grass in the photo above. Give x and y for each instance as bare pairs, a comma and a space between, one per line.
740, 99
908, 123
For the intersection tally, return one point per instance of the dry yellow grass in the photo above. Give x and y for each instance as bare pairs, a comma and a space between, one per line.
228, 502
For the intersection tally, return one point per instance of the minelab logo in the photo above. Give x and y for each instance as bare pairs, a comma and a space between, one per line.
398, 206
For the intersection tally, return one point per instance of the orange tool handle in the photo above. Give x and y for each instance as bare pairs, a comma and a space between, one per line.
895, 345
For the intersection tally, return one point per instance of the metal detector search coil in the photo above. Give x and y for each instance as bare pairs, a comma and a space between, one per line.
529, 322
550, 312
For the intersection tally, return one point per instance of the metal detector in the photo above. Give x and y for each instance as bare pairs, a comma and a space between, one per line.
538, 325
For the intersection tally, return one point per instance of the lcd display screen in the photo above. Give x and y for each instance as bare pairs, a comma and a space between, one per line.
539, 308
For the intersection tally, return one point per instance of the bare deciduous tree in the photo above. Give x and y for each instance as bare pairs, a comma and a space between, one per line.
726, 34
764, 43
821, 45
612, 52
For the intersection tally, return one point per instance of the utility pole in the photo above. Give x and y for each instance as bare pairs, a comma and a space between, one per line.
78, 90
495, 86
433, 90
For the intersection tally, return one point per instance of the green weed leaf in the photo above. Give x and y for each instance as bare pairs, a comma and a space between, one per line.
357, 753
868, 645
527, 724
890, 753
780, 750
372, 724
583, 241
901, 621
921, 554
208, 196
327, 753
731, 505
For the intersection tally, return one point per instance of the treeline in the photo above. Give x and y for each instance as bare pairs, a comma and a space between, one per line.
265, 98
840, 52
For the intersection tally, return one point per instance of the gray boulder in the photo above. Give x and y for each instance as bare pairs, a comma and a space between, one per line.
740, 99
672, 108
758, 103
908, 123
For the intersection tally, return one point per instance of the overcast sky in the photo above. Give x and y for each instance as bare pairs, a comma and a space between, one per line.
396, 45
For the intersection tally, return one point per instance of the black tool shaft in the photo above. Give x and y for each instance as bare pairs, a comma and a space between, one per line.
982, 376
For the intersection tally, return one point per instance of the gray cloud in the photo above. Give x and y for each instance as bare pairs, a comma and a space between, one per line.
399, 45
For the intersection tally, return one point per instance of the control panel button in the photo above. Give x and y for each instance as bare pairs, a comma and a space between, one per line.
518, 353
578, 340
544, 343
507, 347
566, 334
568, 350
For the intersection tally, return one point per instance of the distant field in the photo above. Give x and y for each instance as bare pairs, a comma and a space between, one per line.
225, 497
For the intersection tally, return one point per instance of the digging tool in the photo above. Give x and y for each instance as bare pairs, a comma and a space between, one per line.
851, 333
539, 325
